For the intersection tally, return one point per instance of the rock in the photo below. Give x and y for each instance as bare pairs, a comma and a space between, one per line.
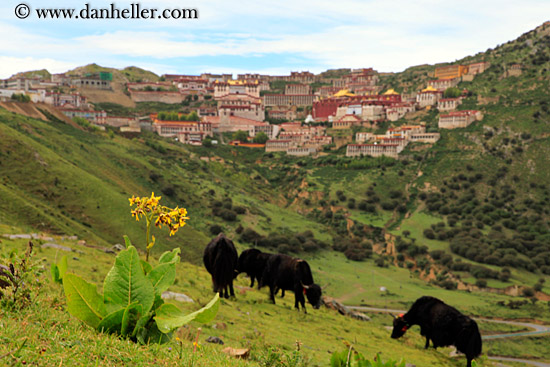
108, 251
359, 316
82, 243
20, 236
343, 310
215, 340
180, 297
117, 247
76, 258
57, 247
238, 353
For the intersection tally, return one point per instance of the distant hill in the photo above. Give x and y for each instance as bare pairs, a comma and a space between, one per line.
34, 73
130, 74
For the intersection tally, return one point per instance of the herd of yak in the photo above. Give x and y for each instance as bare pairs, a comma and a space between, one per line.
442, 324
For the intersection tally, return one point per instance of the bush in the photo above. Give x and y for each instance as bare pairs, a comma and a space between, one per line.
239, 209
216, 229
528, 292
381, 262
481, 283
250, 236
429, 234
310, 246
357, 253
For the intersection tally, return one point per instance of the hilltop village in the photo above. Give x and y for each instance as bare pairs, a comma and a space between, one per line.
300, 114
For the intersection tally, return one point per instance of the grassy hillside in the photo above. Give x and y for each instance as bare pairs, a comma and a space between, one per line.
248, 321
130, 74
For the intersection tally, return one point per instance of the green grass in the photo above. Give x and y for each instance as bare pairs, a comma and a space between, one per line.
491, 328
51, 336
535, 347
415, 224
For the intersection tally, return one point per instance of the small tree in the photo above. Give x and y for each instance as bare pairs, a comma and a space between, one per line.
261, 138
452, 92
240, 136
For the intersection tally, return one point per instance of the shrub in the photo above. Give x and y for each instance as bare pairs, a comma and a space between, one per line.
216, 229
239, 209
381, 262
429, 234
228, 215
250, 236
481, 283
357, 253
528, 292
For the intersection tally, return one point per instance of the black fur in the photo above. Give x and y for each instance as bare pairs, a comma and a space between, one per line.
287, 273
443, 325
220, 259
253, 263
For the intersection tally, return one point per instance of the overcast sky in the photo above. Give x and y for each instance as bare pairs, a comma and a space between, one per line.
273, 37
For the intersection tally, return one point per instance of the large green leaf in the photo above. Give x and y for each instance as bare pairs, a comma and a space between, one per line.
169, 317
162, 277
126, 283
83, 301
146, 267
54, 269
150, 334
59, 269
170, 256
127, 241
132, 314
112, 323
141, 323
62, 265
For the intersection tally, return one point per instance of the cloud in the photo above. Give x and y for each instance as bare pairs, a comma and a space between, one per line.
311, 34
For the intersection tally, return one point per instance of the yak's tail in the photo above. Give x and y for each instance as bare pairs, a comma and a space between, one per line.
469, 341
225, 265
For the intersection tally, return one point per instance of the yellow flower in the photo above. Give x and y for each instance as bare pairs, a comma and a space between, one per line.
154, 200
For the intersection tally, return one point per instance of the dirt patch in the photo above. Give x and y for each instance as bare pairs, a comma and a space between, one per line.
33, 110
113, 96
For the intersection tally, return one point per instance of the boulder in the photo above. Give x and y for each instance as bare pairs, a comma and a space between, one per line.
180, 297
57, 247
215, 340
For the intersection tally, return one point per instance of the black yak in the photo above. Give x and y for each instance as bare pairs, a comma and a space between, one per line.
220, 259
443, 325
253, 263
287, 273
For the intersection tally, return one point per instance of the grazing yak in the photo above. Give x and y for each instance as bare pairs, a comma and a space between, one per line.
287, 273
443, 325
253, 263
220, 259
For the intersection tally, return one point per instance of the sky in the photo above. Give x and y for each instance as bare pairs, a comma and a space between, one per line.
268, 37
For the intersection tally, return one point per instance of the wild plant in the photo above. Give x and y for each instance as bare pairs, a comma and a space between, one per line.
19, 280
131, 304
352, 358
